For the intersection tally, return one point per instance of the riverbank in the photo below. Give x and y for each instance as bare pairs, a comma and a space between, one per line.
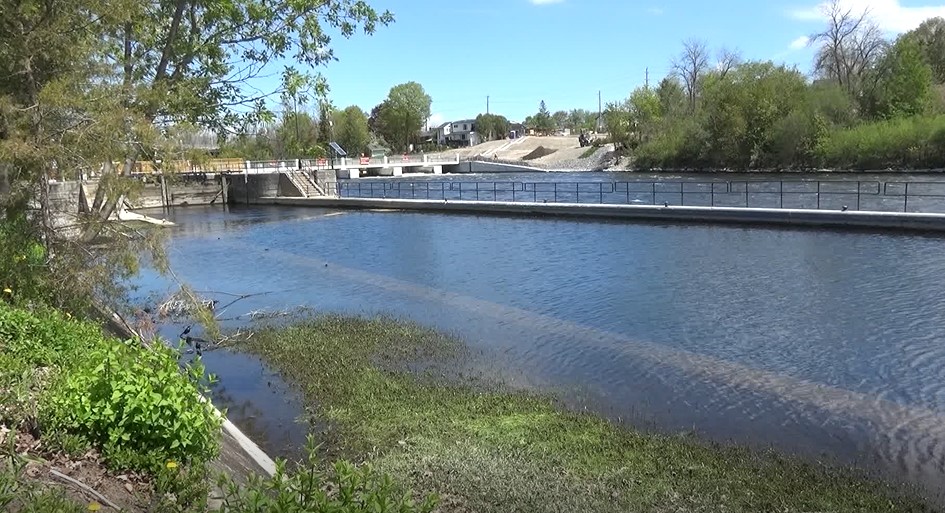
482, 447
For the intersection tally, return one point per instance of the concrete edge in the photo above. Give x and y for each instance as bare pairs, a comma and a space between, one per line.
730, 215
249, 447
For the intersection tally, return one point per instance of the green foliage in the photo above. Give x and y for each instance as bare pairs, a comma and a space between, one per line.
582, 120
492, 126
296, 136
351, 130
45, 339
618, 124
904, 82
542, 121
132, 402
137, 406
930, 36
345, 488
23, 275
402, 114
914, 142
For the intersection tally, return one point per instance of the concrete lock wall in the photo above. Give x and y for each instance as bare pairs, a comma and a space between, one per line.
760, 216
486, 167
250, 189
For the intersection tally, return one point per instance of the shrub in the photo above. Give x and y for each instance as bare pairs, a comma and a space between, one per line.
137, 406
914, 142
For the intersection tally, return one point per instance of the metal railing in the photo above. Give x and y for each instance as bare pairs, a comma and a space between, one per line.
798, 194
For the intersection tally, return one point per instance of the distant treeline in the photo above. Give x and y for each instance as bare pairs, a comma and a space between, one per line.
871, 104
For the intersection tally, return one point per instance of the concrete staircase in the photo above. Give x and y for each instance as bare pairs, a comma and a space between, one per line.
304, 183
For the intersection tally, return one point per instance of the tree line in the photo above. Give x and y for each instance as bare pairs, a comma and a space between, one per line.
871, 103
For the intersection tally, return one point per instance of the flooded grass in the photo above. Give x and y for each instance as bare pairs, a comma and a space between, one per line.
482, 447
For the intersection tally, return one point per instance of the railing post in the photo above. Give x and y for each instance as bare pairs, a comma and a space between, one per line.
746, 193
781, 194
654, 193
600, 187
905, 202
818, 194
628, 193
556, 192
858, 195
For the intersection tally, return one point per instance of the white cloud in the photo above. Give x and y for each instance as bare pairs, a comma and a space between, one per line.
891, 15
799, 43
545, 2
656, 11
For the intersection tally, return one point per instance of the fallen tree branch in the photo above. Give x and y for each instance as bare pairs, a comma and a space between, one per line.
85, 487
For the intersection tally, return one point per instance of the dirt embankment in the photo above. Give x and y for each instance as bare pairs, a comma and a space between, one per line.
553, 152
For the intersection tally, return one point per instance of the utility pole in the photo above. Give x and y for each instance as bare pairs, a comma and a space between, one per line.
487, 104
647, 83
600, 111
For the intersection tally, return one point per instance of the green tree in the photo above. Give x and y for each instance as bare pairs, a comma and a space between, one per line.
618, 123
296, 136
403, 113
351, 130
582, 120
542, 121
560, 119
930, 36
325, 119
492, 126
903, 81
87, 83
644, 115
672, 98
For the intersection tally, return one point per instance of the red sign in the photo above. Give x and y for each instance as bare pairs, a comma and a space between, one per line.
365, 160
321, 162
406, 157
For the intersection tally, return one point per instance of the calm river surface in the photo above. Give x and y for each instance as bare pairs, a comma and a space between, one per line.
823, 343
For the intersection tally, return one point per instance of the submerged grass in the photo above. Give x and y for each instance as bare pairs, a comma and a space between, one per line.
484, 448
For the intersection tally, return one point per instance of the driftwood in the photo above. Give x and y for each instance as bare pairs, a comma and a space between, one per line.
104, 500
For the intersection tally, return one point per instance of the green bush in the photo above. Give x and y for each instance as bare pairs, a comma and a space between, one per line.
133, 403
914, 142
137, 406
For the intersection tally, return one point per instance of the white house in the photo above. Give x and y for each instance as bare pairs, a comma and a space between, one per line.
460, 133
443, 132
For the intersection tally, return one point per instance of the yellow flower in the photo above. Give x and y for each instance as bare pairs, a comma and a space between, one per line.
171, 464
8, 290
94, 506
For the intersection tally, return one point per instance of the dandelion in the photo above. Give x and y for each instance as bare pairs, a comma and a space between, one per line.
94, 506
171, 464
8, 290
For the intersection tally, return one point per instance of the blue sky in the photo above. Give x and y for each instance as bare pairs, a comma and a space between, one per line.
519, 52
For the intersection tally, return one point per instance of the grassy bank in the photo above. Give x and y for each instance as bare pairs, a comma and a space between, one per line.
485, 449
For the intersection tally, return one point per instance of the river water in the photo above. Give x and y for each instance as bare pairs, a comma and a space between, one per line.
827, 344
